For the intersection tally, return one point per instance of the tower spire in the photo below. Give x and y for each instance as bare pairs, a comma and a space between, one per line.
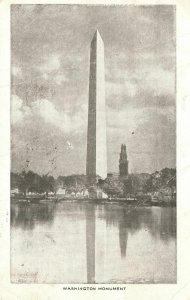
96, 161
123, 162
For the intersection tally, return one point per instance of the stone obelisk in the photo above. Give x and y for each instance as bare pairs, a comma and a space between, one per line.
96, 161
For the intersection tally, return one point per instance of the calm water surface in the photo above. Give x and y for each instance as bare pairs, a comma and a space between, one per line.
71, 242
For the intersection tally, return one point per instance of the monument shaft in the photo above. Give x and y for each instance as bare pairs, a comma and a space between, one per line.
96, 163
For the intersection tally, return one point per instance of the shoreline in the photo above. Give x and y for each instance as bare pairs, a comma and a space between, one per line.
148, 203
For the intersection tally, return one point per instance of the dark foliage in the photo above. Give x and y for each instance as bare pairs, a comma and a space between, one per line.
133, 184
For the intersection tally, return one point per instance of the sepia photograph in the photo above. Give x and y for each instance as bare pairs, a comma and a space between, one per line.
93, 144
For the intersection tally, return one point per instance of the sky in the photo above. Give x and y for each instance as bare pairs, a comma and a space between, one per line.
50, 52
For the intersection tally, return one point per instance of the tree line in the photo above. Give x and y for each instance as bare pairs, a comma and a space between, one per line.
115, 186
33, 182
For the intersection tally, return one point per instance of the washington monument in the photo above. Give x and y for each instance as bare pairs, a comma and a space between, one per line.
96, 161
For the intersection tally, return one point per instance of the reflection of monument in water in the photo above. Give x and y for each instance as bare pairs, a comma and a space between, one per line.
90, 243
90, 213
123, 234
96, 160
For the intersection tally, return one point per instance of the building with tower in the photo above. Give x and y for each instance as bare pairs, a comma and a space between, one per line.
123, 162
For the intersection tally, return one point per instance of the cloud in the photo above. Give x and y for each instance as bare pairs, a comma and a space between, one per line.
147, 86
123, 120
16, 113
152, 142
59, 79
124, 88
41, 128
19, 111
46, 110
120, 83
51, 63
52, 44
17, 71
64, 120
157, 80
50, 70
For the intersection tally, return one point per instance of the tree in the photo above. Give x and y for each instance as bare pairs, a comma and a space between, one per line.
128, 186
160, 180
26, 181
47, 184
113, 187
148, 186
15, 180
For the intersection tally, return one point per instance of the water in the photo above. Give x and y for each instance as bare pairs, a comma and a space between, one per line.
72, 242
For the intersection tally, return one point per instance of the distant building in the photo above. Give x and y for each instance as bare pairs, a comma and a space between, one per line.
61, 191
101, 194
14, 191
50, 194
113, 175
86, 193
123, 162
79, 194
